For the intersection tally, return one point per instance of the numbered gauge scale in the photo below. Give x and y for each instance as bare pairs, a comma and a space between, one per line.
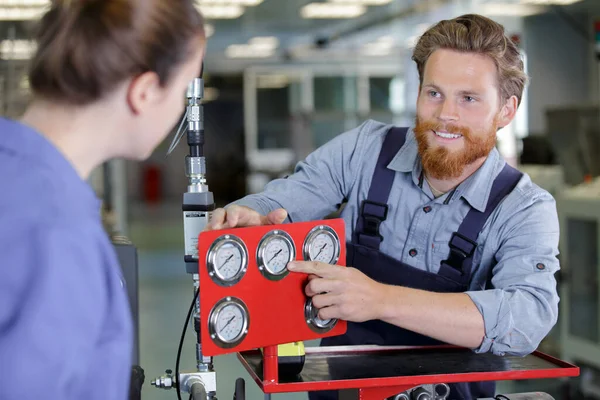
227, 260
322, 244
275, 250
228, 322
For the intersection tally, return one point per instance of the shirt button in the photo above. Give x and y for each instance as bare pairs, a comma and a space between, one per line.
427, 209
412, 252
540, 266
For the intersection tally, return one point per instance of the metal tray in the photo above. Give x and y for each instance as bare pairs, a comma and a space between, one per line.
355, 367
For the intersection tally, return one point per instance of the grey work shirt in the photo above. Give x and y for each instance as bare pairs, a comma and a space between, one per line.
513, 283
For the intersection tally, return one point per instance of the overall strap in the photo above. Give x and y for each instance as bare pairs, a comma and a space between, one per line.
464, 242
373, 211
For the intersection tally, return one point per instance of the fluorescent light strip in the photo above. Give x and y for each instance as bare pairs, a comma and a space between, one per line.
221, 12
17, 49
20, 13
247, 51
247, 3
549, 2
264, 42
331, 10
363, 2
24, 3
513, 10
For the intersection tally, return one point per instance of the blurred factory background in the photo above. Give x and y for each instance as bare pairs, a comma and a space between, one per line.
284, 76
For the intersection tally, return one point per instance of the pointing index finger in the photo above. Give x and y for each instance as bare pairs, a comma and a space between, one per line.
316, 268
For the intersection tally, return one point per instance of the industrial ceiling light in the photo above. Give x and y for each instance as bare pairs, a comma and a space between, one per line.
247, 51
511, 10
24, 3
248, 3
257, 47
221, 11
363, 2
332, 10
264, 42
550, 2
17, 49
20, 13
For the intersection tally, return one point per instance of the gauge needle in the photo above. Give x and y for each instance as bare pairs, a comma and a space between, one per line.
276, 254
322, 248
228, 322
226, 261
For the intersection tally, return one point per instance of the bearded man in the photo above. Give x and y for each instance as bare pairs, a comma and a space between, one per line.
446, 243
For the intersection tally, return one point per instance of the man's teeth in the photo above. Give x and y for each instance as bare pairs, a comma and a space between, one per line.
447, 135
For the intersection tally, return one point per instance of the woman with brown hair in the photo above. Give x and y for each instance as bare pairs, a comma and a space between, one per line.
108, 80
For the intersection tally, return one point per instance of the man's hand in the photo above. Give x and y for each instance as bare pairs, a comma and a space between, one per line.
240, 216
341, 292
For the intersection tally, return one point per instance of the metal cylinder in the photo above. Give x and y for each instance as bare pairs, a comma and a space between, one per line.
441, 391
196, 89
195, 118
420, 394
195, 166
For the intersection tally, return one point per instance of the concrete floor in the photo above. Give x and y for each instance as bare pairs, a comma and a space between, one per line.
165, 293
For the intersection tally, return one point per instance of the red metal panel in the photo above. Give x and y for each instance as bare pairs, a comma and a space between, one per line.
276, 308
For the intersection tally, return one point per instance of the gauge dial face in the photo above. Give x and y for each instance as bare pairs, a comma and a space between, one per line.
311, 313
322, 244
277, 255
227, 260
274, 252
228, 322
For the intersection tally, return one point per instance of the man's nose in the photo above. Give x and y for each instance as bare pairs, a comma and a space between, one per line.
448, 111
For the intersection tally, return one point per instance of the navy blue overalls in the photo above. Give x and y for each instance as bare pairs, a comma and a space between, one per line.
453, 276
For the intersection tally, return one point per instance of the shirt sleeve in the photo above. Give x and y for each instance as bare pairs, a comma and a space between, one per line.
52, 301
320, 183
522, 307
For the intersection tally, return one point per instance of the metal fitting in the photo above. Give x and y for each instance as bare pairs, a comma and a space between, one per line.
208, 379
164, 382
196, 89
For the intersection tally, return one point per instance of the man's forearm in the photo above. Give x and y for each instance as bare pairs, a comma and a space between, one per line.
449, 317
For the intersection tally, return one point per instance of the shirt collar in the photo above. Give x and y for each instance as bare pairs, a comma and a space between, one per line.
475, 189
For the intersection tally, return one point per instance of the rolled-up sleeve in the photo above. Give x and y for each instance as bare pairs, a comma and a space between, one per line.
522, 307
319, 183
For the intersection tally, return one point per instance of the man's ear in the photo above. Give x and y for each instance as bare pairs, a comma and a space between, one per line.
508, 111
144, 90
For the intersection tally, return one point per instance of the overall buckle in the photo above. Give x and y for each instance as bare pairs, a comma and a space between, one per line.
374, 214
461, 248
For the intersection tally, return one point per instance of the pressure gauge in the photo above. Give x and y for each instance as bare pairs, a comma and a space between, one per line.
275, 250
227, 260
322, 244
228, 322
318, 325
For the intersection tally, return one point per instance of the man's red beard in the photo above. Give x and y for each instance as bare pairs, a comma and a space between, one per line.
441, 163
